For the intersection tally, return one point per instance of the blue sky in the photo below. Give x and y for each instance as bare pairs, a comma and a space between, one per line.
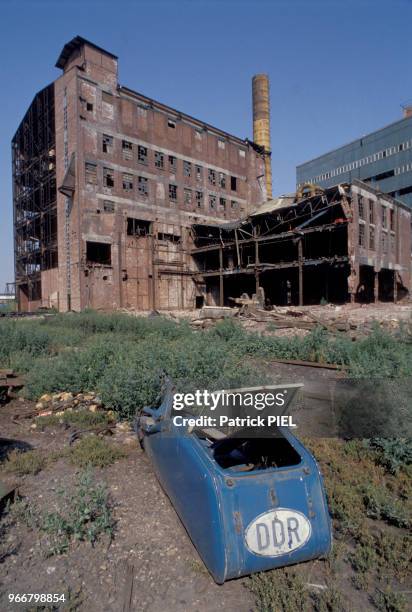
338, 68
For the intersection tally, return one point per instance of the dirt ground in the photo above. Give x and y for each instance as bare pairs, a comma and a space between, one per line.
151, 563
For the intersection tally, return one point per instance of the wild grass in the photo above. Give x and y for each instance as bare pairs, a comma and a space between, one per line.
95, 452
24, 463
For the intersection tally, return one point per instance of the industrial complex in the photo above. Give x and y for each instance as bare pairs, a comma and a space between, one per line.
123, 202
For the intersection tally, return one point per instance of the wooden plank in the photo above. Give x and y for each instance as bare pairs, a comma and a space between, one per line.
309, 364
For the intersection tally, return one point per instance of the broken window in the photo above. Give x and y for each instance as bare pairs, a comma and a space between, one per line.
384, 242
99, 253
171, 123
361, 234
233, 183
188, 197
172, 164
108, 177
187, 168
108, 206
212, 202
159, 160
90, 173
89, 107
361, 207
222, 180
169, 238
199, 199
127, 181
143, 186
142, 154
173, 193
199, 173
107, 144
372, 238
234, 205
138, 227
371, 212
127, 149
383, 216
212, 177
222, 202
392, 219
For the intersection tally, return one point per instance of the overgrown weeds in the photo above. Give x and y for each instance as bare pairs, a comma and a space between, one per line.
22, 463
96, 452
83, 513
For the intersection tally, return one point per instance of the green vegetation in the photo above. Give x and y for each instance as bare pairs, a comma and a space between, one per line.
96, 452
77, 418
123, 358
22, 463
83, 514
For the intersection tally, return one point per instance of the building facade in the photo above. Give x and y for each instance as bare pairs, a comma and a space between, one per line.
106, 186
383, 159
345, 243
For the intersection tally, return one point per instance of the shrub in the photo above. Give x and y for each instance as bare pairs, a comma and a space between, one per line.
93, 451
22, 463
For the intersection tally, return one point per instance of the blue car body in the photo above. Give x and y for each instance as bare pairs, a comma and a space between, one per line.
241, 519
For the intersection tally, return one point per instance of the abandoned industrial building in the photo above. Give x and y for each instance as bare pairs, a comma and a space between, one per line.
123, 202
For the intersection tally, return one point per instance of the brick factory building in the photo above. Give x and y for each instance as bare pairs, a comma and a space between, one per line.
107, 183
123, 202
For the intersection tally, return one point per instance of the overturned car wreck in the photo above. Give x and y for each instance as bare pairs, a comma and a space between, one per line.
249, 504
346, 243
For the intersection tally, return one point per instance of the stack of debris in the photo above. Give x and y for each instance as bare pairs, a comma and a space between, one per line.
58, 403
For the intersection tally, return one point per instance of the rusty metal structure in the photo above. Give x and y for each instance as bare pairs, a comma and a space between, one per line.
345, 243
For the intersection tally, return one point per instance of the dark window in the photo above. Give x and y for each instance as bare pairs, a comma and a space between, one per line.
138, 227
188, 195
212, 202
360, 207
127, 181
169, 238
99, 252
199, 199
127, 149
187, 168
107, 144
371, 211
212, 177
199, 173
234, 205
392, 219
361, 234
233, 183
108, 206
173, 192
222, 202
89, 107
384, 242
171, 123
159, 160
142, 154
143, 185
90, 173
222, 180
372, 238
108, 177
172, 164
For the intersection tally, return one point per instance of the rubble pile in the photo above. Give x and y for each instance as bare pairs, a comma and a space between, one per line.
58, 403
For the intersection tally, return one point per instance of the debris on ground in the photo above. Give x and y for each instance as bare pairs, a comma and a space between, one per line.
9, 384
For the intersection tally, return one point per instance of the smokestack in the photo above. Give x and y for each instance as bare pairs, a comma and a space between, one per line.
261, 122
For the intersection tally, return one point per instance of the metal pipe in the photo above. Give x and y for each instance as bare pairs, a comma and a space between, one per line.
261, 123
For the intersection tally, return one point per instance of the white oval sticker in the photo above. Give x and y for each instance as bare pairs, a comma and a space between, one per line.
277, 532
